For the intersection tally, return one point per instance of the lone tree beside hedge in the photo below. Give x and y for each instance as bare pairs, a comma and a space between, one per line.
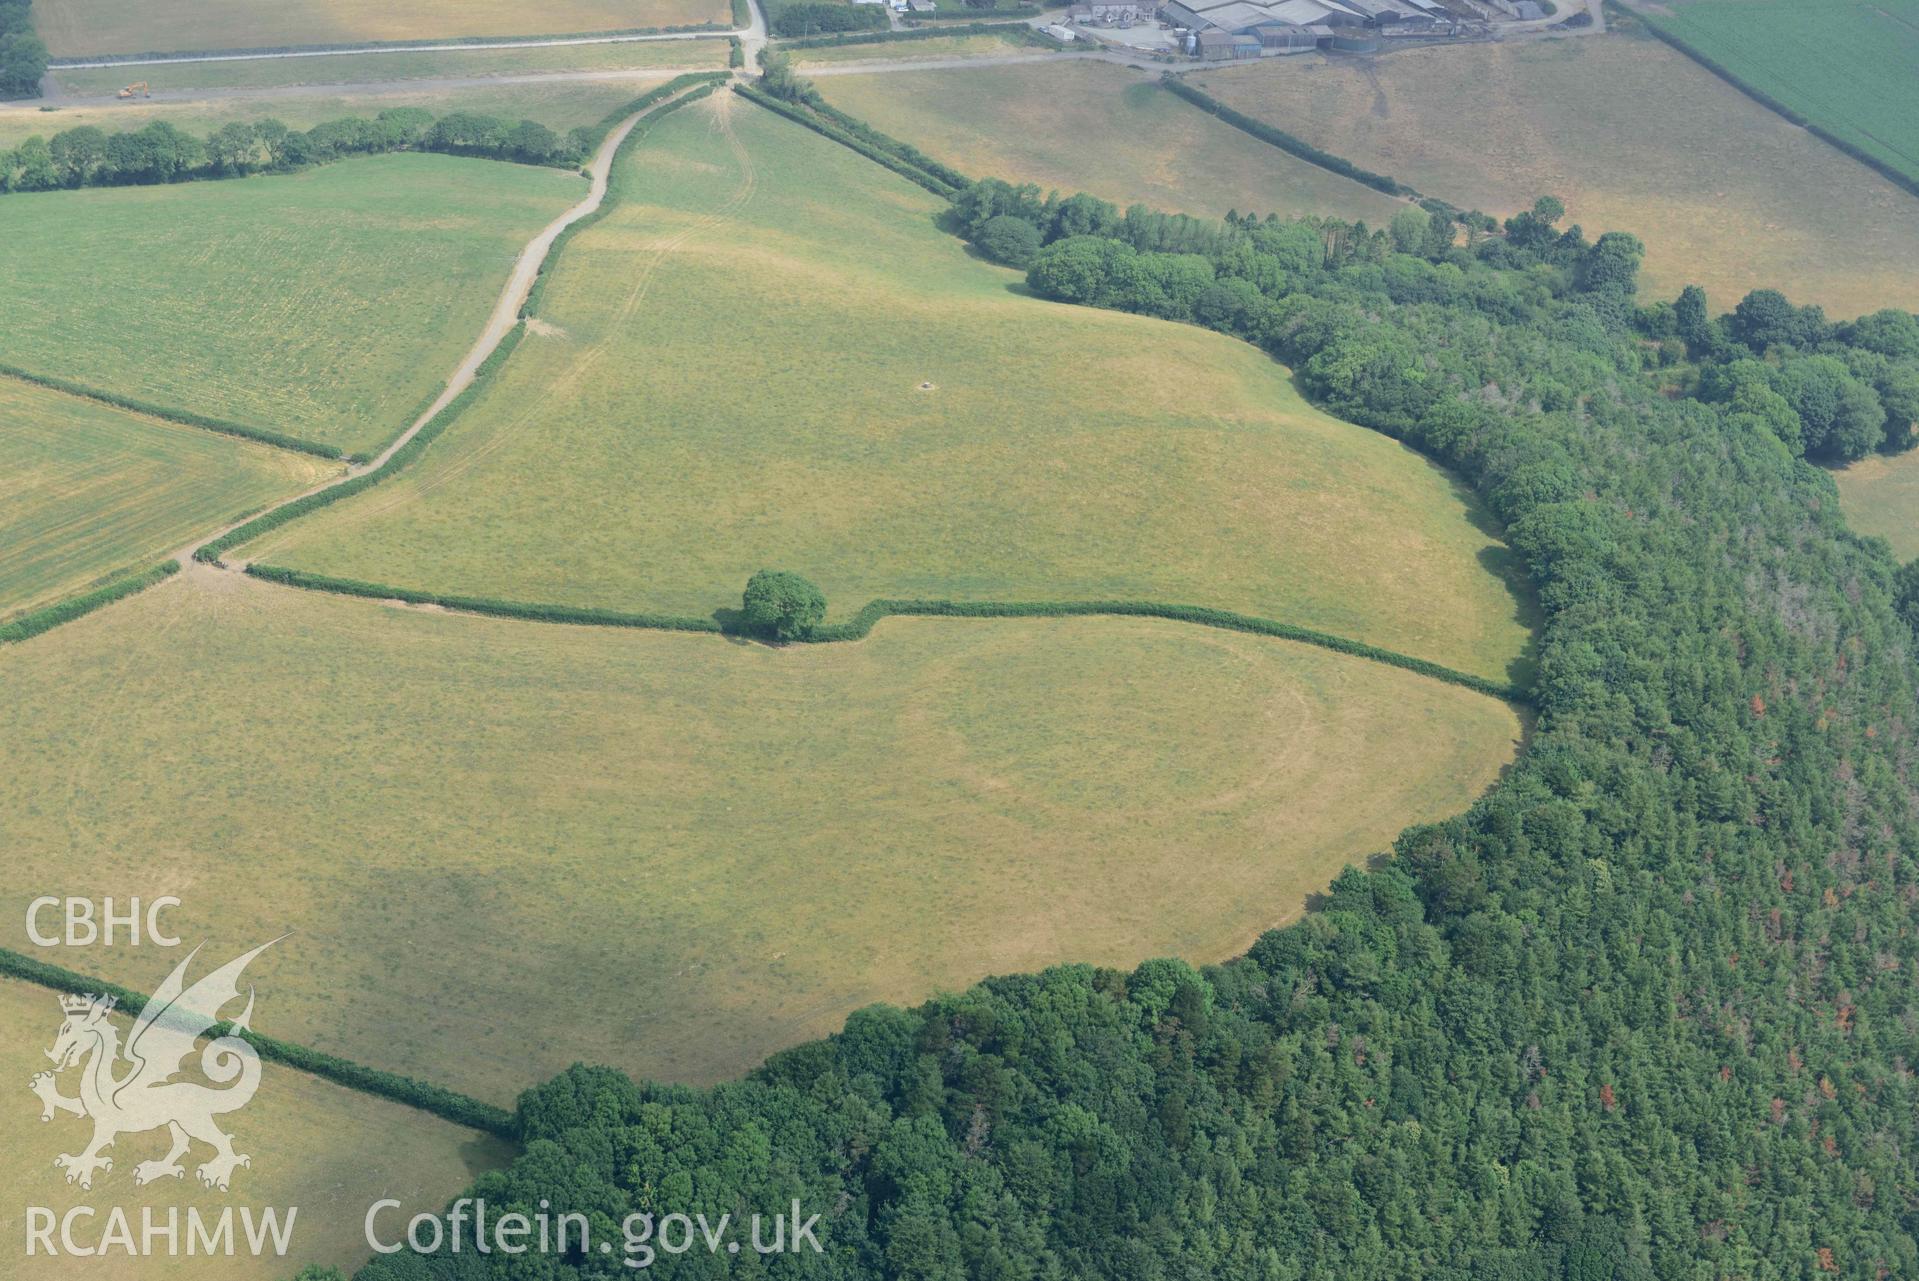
783, 604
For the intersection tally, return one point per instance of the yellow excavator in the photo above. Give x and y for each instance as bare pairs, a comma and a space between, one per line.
138, 88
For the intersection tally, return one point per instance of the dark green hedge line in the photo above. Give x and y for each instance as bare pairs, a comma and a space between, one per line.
361, 457
187, 417
974, 15
1017, 31
396, 46
707, 80
65, 611
1285, 141
905, 151
447, 1104
580, 615
801, 116
278, 516
860, 625
1891, 173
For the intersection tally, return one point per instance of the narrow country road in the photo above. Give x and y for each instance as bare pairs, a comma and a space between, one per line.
506, 314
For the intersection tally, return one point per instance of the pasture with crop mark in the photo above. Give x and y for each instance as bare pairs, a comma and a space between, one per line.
351, 69
325, 305
329, 1151
559, 105
770, 355
1848, 66
1090, 126
687, 852
955, 46
91, 489
1880, 495
82, 28
1633, 136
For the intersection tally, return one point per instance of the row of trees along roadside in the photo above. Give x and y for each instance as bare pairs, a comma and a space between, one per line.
1650, 1009
160, 152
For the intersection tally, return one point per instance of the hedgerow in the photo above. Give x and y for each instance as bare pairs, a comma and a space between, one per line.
861, 624
65, 611
802, 116
435, 1099
184, 416
1018, 32
1285, 141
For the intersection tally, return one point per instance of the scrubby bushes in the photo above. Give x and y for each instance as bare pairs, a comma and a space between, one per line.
65, 611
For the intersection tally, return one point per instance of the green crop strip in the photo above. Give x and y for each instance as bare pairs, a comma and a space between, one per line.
447, 1104
913, 172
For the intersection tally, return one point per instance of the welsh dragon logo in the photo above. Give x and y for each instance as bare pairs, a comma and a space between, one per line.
131, 1090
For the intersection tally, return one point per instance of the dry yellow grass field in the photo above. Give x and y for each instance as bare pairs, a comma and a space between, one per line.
91, 490
1091, 126
1880, 496
77, 28
507, 846
1633, 137
329, 1151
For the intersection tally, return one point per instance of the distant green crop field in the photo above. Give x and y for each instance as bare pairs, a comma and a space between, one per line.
325, 305
1850, 66
769, 355
90, 489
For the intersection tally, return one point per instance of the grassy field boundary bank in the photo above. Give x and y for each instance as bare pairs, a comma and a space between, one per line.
1296, 147
861, 624
1891, 173
827, 129
448, 1105
48, 617
184, 417
708, 80
155, 56
1018, 32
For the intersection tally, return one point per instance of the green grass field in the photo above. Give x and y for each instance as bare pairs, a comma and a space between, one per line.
1846, 65
326, 305
91, 490
769, 355
78, 28
1633, 137
557, 104
351, 69
507, 846
328, 1151
1088, 126
1880, 495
